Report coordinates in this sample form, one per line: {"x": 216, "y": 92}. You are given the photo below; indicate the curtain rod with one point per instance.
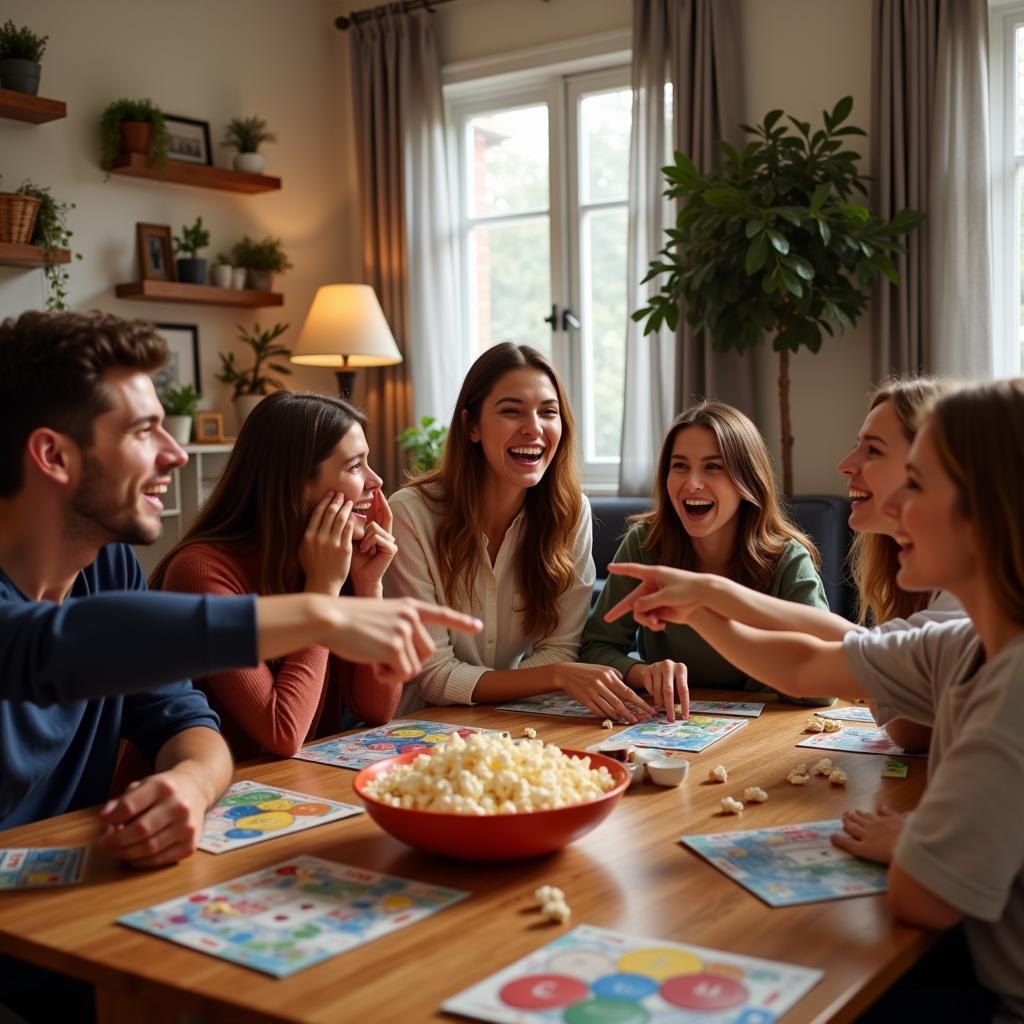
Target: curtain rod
{"x": 344, "y": 23}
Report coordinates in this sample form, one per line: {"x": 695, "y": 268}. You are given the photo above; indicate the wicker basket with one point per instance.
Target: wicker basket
{"x": 17, "y": 216}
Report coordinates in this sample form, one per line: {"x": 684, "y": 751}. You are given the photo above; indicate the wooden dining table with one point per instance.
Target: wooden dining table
{"x": 630, "y": 874}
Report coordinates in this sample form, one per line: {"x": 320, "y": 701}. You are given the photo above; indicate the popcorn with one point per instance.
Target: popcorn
{"x": 548, "y": 894}
{"x": 798, "y": 778}
{"x": 484, "y": 774}
{"x": 557, "y": 910}
{"x": 607, "y": 724}
{"x": 718, "y": 773}
{"x": 730, "y": 806}
{"x": 823, "y": 767}
{"x": 831, "y": 725}
{"x": 529, "y": 732}
{"x": 837, "y": 777}
{"x": 814, "y": 724}
{"x": 754, "y": 795}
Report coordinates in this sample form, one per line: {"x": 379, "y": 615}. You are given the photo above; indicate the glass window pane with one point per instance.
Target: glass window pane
{"x": 604, "y": 145}
{"x": 511, "y": 283}
{"x": 604, "y": 329}
{"x": 508, "y": 159}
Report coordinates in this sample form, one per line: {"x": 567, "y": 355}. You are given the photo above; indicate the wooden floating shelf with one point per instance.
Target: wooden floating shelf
{"x": 29, "y": 256}
{"x": 179, "y": 172}
{"x": 198, "y": 294}
{"x": 20, "y": 106}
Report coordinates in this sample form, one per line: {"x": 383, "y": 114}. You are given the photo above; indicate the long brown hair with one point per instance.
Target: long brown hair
{"x": 979, "y": 433}
{"x": 552, "y": 508}
{"x": 763, "y": 529}
{"x": 259, "y": 501}
{"x": 874, "y": 557}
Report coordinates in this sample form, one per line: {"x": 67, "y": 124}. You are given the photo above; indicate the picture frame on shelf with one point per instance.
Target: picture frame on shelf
{"x": 156, "y": 254}
{"x": 188, "y": 139}
{"x": 209, "y": 428}
{"x": 182, "y": 366}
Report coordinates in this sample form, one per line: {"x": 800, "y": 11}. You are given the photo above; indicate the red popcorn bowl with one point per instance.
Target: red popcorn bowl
{"x": 492, "y": 836}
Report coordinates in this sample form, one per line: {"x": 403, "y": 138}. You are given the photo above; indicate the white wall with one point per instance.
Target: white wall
{"x": 210, "y": 61}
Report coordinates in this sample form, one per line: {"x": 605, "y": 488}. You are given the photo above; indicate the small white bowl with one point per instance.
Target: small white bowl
{"x": 668, "y": 772}
{"x": 637, "y": 772}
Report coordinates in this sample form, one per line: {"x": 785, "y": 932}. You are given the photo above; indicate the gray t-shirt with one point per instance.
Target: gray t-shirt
{"x": 941, "y": 608}
{"x": 965, "y": 840}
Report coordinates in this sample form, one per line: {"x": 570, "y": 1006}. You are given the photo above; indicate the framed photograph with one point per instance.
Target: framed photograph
{"x": 182, "y": 365}
{"x": 188, "y": 140}
{"x": 156, "y": 256}
{"x": 209, "y": 428}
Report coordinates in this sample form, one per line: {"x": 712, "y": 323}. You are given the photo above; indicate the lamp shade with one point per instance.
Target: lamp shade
{"x": 345, "y": 327}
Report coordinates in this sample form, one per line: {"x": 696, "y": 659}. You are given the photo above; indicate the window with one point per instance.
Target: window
{"x": 543, "y": 190}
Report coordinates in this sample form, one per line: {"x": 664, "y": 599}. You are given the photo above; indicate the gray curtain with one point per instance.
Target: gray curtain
{"x": 930, "y": 151}
{"x": 404, "y": 202}
{"x": 695, "y": 46}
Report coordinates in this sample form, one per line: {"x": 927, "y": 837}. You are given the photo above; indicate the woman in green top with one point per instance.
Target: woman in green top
{"x": 716, "y": 510}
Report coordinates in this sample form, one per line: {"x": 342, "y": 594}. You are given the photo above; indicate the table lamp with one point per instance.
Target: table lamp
{"x": 345, "y": 328}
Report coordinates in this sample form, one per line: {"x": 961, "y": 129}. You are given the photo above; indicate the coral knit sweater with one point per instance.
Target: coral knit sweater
{"x": 279, "y": 705}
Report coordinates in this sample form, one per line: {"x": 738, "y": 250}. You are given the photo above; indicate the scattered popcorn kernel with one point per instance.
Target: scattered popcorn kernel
{"x": 795, "y": 778}
{"x": 548, "y": 894}
{"x": 607, "y": 724}
{"x": 814, "y": 724}
{"x": 529, "y": 732}
{"x": 718, "y": 773}
{"x": 754, "y": 795}
{"x": 730, "y": 806}
{"x": 823, "y": 767}
{"x": 557, "y": 910}
{"x": 837, "y": 777}
{"x": 831, "y": 725}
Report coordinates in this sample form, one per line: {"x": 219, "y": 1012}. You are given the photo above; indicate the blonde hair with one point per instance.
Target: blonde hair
{"x": 979, "y": 434}
{"x": 874, "y": 557}
{"x": 552, "y": 508}
{"x": 764, "y": 528}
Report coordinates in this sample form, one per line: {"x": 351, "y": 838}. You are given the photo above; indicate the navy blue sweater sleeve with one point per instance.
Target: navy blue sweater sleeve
{"x": 114, "y": 643}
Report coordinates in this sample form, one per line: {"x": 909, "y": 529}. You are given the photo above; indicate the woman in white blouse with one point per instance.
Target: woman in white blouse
{"x": 501, "y": 528}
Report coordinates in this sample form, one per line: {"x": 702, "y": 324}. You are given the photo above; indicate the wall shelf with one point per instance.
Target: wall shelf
{"x": 21, "y": 106}
{"x": 29, "y": 256}
{"x": 179, "y": 172}
{"x": 198, "y": 294}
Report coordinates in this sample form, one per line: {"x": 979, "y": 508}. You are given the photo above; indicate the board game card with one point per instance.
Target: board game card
{"x": 41, "y": 867}
{"x": 695, "y": 734}
{"x": 251, "y": 812}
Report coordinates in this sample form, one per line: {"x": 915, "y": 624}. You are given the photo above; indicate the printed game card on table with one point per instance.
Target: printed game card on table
{"x": 695, "y": 734}
{"x": 790, "y": 864}
{"x": 250, "y": 812}
{"x": 41, "y": 867}
{"x": 365, "y": 748}
{"x": 854, "y": 713}
{"x": 593, "y": 974}
{"x": 555, "y": 703}
{"x": 292, "y": 915}
{"x": 742, "y": 709}
{"x": 857, "y": 741}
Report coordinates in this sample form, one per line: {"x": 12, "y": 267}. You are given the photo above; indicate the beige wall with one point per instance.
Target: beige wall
{"x": 205, "y": 60}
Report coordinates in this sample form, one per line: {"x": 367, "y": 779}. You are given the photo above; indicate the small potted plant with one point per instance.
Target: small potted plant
{"x": 423, "y": 443}
{"x": 262, "y": 259}
{"x": 251, "y": 385}
{"x": 246, "y": 135}
{"x": 52, "y": 233}
{"x": 192, "y": 267}
{"x": 221, "y": 271}
{"x": 180, "y": 404}
{"x": 133, "y": 126}
{"x": 21, "y": 50}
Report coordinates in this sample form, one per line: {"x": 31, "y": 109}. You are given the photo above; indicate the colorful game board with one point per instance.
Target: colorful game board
{"x": 362, "y": 748}
{"x": 854, "y": 713}
{"x": 695, "y": 734}
{"x": 41, "y": 867}
{"x": 743, "y": 709}
{"x": 790, "y": 864}
{"x": 250, "y": 812}
{"x": 857, "y": 741}
{"x": 595, "y": 976}
{"x": 292, "y": 915}
{"x": 558, "y": 703}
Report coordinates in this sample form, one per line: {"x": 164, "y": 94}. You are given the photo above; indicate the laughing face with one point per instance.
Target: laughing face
{"x": 875, "y": 469}
{"x": 700, "y": 489}
{"x": 126, "y": 471}
{"x": 347, "y": 472}
{"x": 519, "y": 428}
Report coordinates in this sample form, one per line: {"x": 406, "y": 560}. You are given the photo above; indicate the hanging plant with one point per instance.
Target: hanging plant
{"x": 52, "y": 233}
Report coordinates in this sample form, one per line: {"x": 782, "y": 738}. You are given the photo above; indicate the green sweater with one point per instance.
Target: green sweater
{"x": 610, "y": 643}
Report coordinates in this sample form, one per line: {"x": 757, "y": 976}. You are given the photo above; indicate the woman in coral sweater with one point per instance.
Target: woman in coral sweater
{"x": 297, "y": 508}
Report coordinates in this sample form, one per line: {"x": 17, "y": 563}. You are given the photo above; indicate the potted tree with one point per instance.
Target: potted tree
{"x": 252, "y": 384}
{"x": 246, "y": 135}
{"x": 262, "y": 260}
{"x": 221, "y": 271}
{"x": 51, "y": 231}
{"x": 180, "y": 404}
{"x": 193, "y": 238}
{"x": 21, "y": 50}
{"x": 423, "y": 444}
{"x": 774, "y": 239}
{"x": 133, "y": 126}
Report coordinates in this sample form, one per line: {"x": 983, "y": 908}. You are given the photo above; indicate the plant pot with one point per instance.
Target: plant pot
{"x": 244, "y": 404}
{"x": 259, "y": 280}
{"x": 220, "y": 275}
{"x": 251, "y": 163}
{"x": 20, "y": 75}
{"x": 136, "y": 136}
{"x": 192, "y": 271}
{"x": 179, "y": 427}
{"x": 238, "y": 276}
